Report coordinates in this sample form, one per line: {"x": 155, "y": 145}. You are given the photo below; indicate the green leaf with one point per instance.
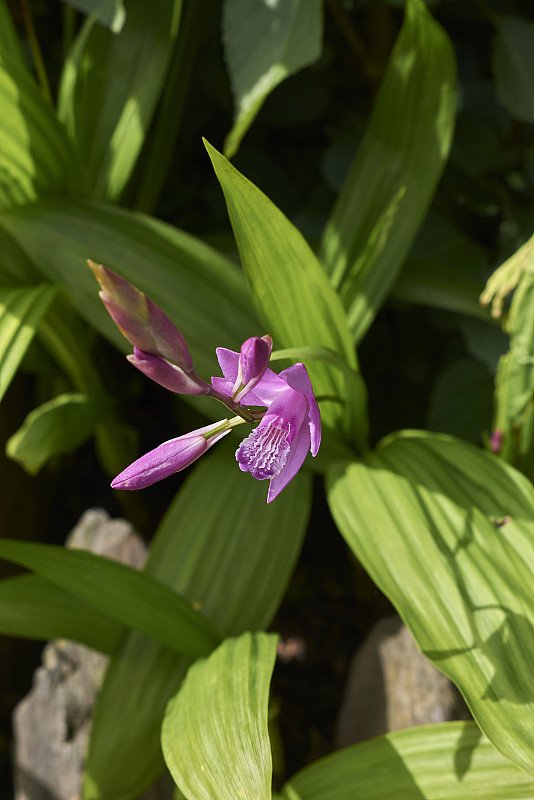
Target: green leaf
{"x": 109, "y": 13}
{"x": 129, "y": 596}
{"x": 221, "y": 546}
{"x": 56, "y": 427}
{"x": 34, "y": 608}
{"x": 286, "y": 282}
{"x": 513, "y": 65}
{"x": 405, "y": 145}
{"x": 181, "y": 274}
{"x": 108, "y": 119}
{"x": 20, "y": 313}
{"x": 214, "y": 735}
{"x": 447, "y": 533}
{"x": 36, "y": 156}
{"x": 278, "y": 40}
{"x": 432, "y": 762}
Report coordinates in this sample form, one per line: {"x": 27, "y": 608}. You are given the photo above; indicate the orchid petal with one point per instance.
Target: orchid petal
{"x": 297, "y": 377}
{"x": 228, "y": 362}
{"x": 314, "y": 417}
{"x": 299, "y": 448}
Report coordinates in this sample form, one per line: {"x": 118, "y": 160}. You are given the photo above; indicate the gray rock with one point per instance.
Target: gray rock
{"x": 392, "y": 685}
{"x": 51, "y": 724}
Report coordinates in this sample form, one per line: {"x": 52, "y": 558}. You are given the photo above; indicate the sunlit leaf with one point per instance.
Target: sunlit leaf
{"x": 34, "y": 608}
{"x": 396, "y": 169}
{"x": 221, "y": 546}
{"x": 447, "y": 533}
{"x": 278, "y": 40}
{"x": 20, "y": 313}
{"x": 109, "y": 119}
{"x": 36, "y": 156}
{"x": 433, "y": 762}
{"x": 287, "y": 284}
{"x": 129, "y": 596}
{"x": 214, "y": 735}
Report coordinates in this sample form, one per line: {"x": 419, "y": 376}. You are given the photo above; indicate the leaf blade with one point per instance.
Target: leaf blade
{"x": 429, "y": 505}
{"x": 406, "y": 143}
{"x": 129, "y": 596}
{"x": 214, "y": 734}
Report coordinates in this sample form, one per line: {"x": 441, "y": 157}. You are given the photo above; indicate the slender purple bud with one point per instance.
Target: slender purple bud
{"x": 253, "y": 362}
{"x": 170, "y": 457}
{"x": 140, "y": 320}
{"x": 167, "y": 375}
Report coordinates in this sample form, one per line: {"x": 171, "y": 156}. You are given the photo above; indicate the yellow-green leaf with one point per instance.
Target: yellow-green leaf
{"x": 214, "y": 735}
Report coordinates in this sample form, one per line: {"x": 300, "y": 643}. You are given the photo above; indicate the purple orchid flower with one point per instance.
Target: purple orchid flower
{"x": 291, "y": 426}
{"x": 288, "y": 428}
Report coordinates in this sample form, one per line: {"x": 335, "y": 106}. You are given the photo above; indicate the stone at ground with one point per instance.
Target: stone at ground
{"x": 392, "y": 685}
{"x": 51, "y": 724}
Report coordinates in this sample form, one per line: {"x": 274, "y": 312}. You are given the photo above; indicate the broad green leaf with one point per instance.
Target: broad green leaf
{"x": 447, "y": 533}
{"x": 125, "y": 594}
{"x": 54, "y": 428}
{"x": 513, "y": 65}
{"x": 405, "y": 145}
{"x": 34, "y": 608}
{"x": 20, "y": 313}
{"x": 214, "y": 734}
{"x": 286, "y": 282}
{"x": 36, "y": 156}
{"x": 221, "y": 546}
{"x": 109, "y": 13}
{"x": 450, "y": 761}
{"x": 108, "y": 118}
{"x": 185, "y": 277}
{"x": 278, "y": 40}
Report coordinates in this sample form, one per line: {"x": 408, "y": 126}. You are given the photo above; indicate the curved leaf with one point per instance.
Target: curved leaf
{"x": 396, "y": 170}
{"x": 278, "y": 40}
{"x": 34, "y": 608}
{"x": 129, "y": 596}
{"x": 214, "y": 735}
{"x": 55, "y": 427}
{"x": 447, "y": 532}
{"x": 431, "y": 762}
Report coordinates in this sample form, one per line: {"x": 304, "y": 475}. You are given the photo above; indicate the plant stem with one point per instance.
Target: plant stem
{"x": 36, "y": 51}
